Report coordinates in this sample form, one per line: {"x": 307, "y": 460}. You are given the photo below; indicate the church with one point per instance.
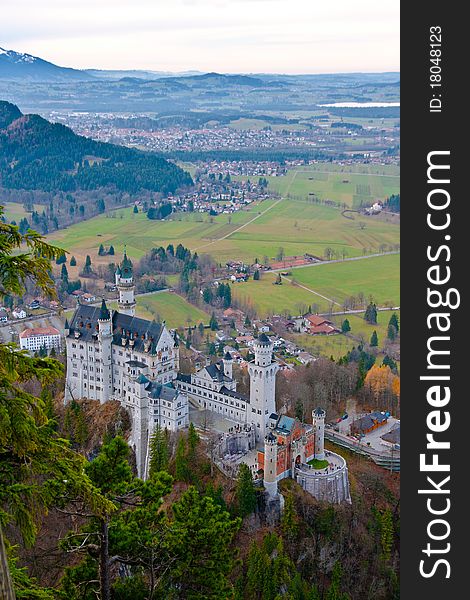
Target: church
{"x": 114, "y": 355}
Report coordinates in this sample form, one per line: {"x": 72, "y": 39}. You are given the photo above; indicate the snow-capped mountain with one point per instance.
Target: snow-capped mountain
{"x": 19, "y": 65}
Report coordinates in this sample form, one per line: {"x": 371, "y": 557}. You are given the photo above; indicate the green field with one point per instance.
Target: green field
{"x": 376, "y": 277}
{"x": 297, "y": 226}
{"x": 14, "y": 211}
{"x": 354, "y": 186}
{"x": 339, "y": 345}
{"x": 169, "y": 307}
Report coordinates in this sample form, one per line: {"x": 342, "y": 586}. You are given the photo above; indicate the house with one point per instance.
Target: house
{"x": 238, "y": 277}
{"x": 222, "y": 337}
{"x": 86, "y": 297}
{"x": 318, "y": 325}
{"x": 34, "y": 304}
{"x": 369, "y": 422}
{"x": 261, "y": 327}
{"x": 77, "y": 293}
{"x": 19, "y": 313}
{"x": 392, "y": 438}
{"x": 245, "y": 340}
{"x": 3, "y": 315}
{"x": 305, "y": 357}
{"x": 39, "y": 337}
{"x": 234, "y": 313}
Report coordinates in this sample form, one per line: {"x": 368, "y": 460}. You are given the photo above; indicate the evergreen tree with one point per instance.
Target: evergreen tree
{"x": 193, "y": 441}
{"x": 201, "y": 328}
{"x": 199, "y": 545}
{"x": 256, "y": 275}
{"x": 247, "y": 321}
{"x": 289, "y": 520}
{"x": 62, "y": 259}
{"x": 227, "y": 296}
{"x": 181, "y": 461}
{"x": 213, "y": 324}
{"x": 136, "y": 210}
{"x": 73, "y": 261}
{"x": 245, "y": 491}
{"x": 100, "y": 251}
{"x": 389, "y": 362}
{"x": 345, "y": 326}
{"x": 64, "y": 274}
{"x": 394, "y": 322}
{"x": 27, "y": 437}
{"x": 374, "y": 340}
{"x": 371, "y": 314}
{"x": 159, "y": 451}
{"x": 111, "y": 250}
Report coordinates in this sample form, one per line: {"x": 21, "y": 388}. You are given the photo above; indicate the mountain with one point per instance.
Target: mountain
{"x": 38, "y": 155}
{"x": 138, "y": 74}
{"x": 18, "y": 65}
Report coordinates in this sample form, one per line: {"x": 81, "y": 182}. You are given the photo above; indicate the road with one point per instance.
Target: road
{"x": 248, "y": 222}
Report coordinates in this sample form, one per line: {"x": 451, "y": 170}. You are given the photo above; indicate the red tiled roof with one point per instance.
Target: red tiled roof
{"x": 39, "y": 331}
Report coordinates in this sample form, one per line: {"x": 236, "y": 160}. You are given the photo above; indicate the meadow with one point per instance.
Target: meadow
{"x": 352, "y": 185}
{"x": 339, "y": 345}
{"x": 175, "y": 310}
{"x": 377, "y": 278}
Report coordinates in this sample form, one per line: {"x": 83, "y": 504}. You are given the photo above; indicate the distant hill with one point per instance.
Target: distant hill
{"x": 18, "y": 65}
{"x": 38, "y": 155}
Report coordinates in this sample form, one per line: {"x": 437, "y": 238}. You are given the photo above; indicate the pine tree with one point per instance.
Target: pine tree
{"x": 374, "y": 340}
{"x": 193, "y": 441}
{"x": 245, "y": 491}
{"x": 111, "y": 250}
{"x": 136, "y": 210}
{"x": 100, "y": 250}
{"x": 159, "y": 451}
{"x": 256, "y": 275}
{"x": 181, "y": 461}
{"x": 371, "y": 314}
{"x": 289, "y": 520}
{"x": 213, "y": 324}
{"x": 391, "y": 332}
{"x": 64, "y": 275}
{"x": 345, "y": 326}
{"x": 73, "y": 261}
{"x": 394, "y": 322}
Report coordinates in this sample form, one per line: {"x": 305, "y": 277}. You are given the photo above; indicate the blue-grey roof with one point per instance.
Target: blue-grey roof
{"x": 85, "y": 320}
{"x": 263, "y": 340}
{"x": 285, "y": 424}
{"x": 142, "y": 379}
{"x": 165, "y": 392}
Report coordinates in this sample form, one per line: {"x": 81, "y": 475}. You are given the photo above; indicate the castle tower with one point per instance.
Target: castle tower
{"x": 105, "y": 338}
{"x": 228, "y": 362}
{"x": 262, "y": 371}
{"x": 270, "y": 464}
{"x": 140, "y": 424}
{"x": 125, "y": 284}
{"x": 318, "y": 419}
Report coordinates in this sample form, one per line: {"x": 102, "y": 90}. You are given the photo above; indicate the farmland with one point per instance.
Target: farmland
{"x": 376, "y": 277}
{"x": 296, "y": 225}
{"x": 356, "y": 186}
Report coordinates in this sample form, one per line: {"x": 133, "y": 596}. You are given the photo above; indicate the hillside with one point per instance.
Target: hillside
{"x": 38, "y": 155}
{"x": 19, "y": 65}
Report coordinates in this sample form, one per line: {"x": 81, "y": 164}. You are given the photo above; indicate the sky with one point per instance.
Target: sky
{"x": 230, "y": 36}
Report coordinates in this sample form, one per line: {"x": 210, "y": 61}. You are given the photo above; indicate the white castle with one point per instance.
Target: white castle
{"x": 114, "y": 355}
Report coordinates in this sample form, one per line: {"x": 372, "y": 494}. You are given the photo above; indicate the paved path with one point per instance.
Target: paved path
{"x": 248, "y": 222}
{"x": 336, "y": 260}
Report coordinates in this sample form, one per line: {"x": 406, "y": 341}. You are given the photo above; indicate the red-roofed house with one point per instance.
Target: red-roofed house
{"x": 34, "y": 339}
{"x": 317, "y": 325}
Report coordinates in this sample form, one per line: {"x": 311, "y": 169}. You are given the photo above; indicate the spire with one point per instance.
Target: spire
{"x": 104, "y": 312}
{"x": 126, "y": 266}
{"x": 66, "y": 326}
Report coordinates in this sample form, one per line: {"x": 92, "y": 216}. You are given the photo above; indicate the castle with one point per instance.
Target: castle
{"x": 296, "y": 450}
{"x": 114, "y": 355}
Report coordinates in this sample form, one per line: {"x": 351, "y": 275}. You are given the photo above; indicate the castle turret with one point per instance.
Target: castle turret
{"x": 318, "y": 419}
{"x": 105, "y": 337}
{"x": 270, "y": 464}
{"x": 228, "y": 363}
{"x": 262, "y": 372}
{"x": 125, "y": 284}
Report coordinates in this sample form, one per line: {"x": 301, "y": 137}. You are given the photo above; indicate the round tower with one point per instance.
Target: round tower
{"x": 270, "y": 464}
{"x": 262, "y": 371}
{"x": 105, "y": 338}
{"x": 318, "y": 420}
{"x": 228, "y": 364}
{"x": 125, "y": 284}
